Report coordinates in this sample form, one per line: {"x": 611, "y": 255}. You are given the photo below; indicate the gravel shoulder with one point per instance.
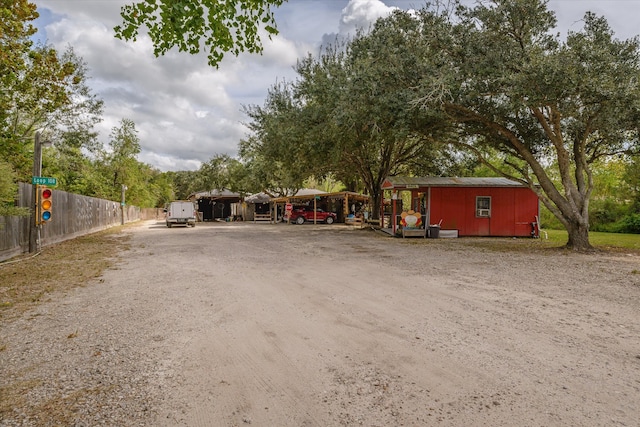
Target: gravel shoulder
{"x": 232, "y": 324}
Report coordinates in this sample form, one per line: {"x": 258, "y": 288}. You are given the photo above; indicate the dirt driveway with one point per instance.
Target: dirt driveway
{"x": 230, "y": 324}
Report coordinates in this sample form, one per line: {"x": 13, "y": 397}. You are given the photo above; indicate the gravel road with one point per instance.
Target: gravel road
{"x": 230, "y": 324}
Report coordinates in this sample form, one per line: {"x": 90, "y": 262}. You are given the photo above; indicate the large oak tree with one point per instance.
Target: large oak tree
{"x": 349, "y": 113}
{"x": 551, "y": 107}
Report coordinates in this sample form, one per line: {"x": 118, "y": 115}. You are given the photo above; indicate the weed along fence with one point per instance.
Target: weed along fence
{"x": 72, "y": 215}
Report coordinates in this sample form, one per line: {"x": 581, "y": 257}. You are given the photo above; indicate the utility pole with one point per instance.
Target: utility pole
{"x": 122, "y": 204}
{"x": 34, "y": 230}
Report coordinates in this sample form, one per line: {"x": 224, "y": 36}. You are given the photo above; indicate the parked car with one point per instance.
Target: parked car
{"x": 299, "y": 216}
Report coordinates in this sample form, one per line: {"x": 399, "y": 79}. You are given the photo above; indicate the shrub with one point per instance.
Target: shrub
{"x": 605, "y": 214}
{"x": 630, "y": 224}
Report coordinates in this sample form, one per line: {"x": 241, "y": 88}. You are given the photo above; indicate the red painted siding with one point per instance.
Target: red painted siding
{"x": 512, "y": 210}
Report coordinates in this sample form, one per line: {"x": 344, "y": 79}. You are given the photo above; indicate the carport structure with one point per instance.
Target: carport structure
{"x": 217, "y": 204}
{"x": 342, "y": 203}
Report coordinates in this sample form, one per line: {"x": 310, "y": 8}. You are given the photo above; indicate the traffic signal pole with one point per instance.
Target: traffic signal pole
{"x": 34, "y": 231}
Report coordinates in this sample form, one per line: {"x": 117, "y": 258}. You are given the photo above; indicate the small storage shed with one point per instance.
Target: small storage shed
{"x": 257, "y": 207}
{"x": 470, "y": 206}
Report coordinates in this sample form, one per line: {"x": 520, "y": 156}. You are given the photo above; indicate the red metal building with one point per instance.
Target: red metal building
{"x": 472, "y": 206}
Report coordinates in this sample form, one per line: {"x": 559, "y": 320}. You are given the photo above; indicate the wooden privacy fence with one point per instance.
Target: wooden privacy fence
{"x": 73, "y": 215}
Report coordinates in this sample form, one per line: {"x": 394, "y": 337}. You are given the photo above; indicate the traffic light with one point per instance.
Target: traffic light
{"x": 44, "y": 204}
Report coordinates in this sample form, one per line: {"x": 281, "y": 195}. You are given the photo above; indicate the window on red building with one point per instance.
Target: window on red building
{"x": 483, "y": 207}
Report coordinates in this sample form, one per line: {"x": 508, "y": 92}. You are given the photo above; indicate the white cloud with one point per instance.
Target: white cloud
{"x": 361, "y": 14}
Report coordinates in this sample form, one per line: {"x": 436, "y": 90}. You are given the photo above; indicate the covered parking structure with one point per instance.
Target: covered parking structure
{"x": 217, "y": 204}
{"x": 343, "y": 203}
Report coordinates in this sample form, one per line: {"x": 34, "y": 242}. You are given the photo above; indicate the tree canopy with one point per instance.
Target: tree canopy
{"x": 217, "y": 26}
{"x": 349, "y": 114}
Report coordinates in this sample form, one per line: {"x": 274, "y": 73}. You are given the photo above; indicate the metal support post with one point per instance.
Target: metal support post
{"x": 34, "y": 230}
{"x": 122, "y": 204}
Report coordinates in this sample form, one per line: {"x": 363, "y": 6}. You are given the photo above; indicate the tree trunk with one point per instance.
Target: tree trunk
{"x": 376, "y": 202}
{"x": 578, "y": 237}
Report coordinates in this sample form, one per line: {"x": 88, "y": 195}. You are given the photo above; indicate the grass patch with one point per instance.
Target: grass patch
{"x": 55, "y": 410}
{"x": 30, "y": 280}
{"x": 556, "y": 241}
{"x": 14, "y": 394}
{"x": 601, "y": 240}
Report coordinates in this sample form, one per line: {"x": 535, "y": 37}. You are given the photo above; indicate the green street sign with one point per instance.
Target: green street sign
{"x": 43, "y": 180}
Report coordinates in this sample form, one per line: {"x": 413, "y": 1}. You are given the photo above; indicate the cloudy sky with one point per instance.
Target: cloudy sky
{"x": 187, "y": 112}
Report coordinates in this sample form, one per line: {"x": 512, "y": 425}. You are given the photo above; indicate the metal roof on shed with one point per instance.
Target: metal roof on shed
{"x": 258, "y": 198}
{"x": 441, "y": 181}
{"x": 223, "y": 194}
{"x": 309, "y": 196}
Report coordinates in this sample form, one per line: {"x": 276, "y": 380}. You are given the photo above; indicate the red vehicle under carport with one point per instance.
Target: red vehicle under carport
{"x": 307, "y": 214}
